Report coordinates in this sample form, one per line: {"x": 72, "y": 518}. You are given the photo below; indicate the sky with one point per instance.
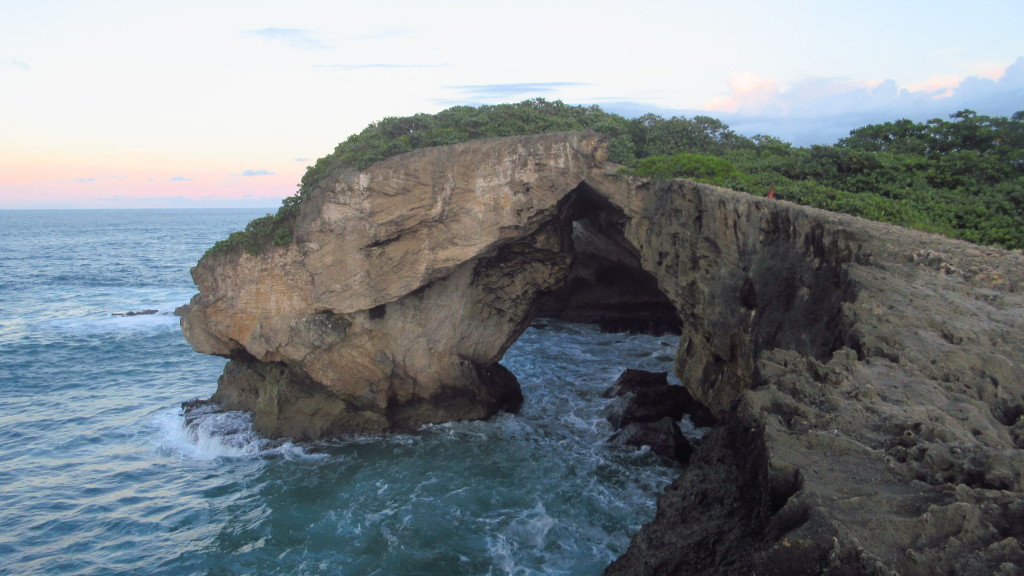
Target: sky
{"x": 155, "y": 104}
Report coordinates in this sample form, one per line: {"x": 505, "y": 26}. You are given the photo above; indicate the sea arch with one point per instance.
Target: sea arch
{"x": 406, "y": 283}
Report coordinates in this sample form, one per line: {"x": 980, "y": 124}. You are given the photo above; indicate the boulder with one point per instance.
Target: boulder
{"x": 135, "y": 313}
{"x": 642, "y": 396}
{"x": 662, "y": 436}
{"x": 646, "y": 405}
{"x": 632, "y": 380}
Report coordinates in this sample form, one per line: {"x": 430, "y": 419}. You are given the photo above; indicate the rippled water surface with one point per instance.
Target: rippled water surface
{"x": 99, "y": 475}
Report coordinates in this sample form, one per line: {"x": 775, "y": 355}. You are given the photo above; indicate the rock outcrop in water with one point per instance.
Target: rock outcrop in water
{"x": 869, "y": 379}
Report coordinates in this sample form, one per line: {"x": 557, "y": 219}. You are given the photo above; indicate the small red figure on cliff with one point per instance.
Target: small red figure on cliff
{"x": 771, "y": 191}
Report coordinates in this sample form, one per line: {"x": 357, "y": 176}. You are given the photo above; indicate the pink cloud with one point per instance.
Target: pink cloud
{"x": 753, "y": 95}
{"x": 748, "y": 92}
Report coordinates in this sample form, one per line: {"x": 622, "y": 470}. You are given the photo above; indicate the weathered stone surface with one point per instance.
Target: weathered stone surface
{"x": 632, "y": 379}
{"x": 662, "y": 436}
{"x": 404, "y": 287}
{"x": 870, "y": 379}
{"x": 646, "y": 404}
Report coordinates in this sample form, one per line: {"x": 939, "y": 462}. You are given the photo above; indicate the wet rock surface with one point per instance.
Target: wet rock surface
{"x": 662, "y": 436}
{"x": 645, "y": 411}
{"x": 868, "y": 380}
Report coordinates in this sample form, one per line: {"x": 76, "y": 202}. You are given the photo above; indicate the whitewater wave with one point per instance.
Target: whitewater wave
{"x": 209, "y": 433}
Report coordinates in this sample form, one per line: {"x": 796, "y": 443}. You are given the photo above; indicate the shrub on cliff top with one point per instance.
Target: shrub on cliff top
{"x": 270, "y": 230}
{"x": 963, "y": 177}
{"x": 630, "y": 139}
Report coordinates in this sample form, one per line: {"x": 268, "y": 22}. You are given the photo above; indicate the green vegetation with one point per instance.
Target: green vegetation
{"x": 270, "y": 230}
{"x": 963, "y": 177}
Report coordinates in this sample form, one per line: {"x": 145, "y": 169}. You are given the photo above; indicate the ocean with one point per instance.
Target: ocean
{"x": 99, "y": 474}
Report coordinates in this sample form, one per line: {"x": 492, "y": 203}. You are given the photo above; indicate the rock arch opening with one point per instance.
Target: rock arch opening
{"x": 406, "y": 285}
{"x": 607, "y": 285}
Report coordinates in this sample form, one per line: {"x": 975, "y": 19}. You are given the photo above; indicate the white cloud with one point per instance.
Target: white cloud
{"x": 180, "y": 179}
{"x": 491, "y": 93}
{"x": 19, "y": 64}
{"x": 822, "y": 110}
{"x": 257, "y": 173}
{"x": 291, "y": 37}
{"x": 376, "y": 66}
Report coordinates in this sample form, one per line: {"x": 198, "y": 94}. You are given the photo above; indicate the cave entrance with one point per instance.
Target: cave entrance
{"x": 607, "y": 285}
{"x": 609, "y": 355}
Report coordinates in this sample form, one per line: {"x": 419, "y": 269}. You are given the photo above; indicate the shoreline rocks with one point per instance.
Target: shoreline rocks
{"x": 645, "y": 411}
{"x": 135, "y": 313}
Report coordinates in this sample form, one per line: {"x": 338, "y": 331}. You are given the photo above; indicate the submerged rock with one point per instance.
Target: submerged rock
{"x": 135, "y": 313}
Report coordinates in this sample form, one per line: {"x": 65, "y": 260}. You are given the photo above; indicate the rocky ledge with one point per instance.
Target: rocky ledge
{"x": 868, "y": 380}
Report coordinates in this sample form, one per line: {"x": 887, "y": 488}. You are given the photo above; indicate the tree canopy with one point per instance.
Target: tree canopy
{"x": 962, "y": 176}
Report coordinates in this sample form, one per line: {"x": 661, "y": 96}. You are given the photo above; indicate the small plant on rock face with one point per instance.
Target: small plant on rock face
{"x": 270, "y": 230}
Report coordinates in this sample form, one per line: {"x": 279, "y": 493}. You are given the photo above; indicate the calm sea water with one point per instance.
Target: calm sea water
{"x": 98, "y": 474}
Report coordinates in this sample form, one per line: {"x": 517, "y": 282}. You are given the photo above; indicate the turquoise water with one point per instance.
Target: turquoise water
{"x": 99, "y": 475}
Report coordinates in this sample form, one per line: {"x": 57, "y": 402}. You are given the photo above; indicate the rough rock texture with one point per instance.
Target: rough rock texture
{"x": 632, "y": 380}
{"x": 641, "y": 396}
{"x": 607, "y": 286}
{"x": 646, "y": 411}
{"x": 869, "y": 379}
{"x": 403, "y": 289}
{"x": 662, "y": 436}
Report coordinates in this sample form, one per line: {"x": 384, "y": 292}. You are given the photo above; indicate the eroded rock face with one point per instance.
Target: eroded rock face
{"x": 869, "y": 379}
{"x": 404, "y": 287}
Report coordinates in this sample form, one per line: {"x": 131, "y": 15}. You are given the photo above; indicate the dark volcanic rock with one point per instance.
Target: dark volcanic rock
{"x": 641, "y": 396}
{"x": 647, "y": 396}
{"x": 645, "y": 411}
{"x": 632, "y": 379}
{"x": 662, "y": 436}
{"x": 135, "y": 313}
{"x": 647, "y": 405}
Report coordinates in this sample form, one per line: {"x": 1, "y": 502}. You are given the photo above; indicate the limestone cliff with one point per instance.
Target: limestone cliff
{"x": 869, "y": 379}
{"x": 403, "y": 288}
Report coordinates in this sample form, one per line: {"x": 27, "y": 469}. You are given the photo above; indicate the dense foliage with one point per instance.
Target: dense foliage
{"x": 963, "y": 177}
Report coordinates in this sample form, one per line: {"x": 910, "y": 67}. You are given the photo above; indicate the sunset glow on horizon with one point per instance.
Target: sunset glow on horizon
{"x": 121, "y": 104}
